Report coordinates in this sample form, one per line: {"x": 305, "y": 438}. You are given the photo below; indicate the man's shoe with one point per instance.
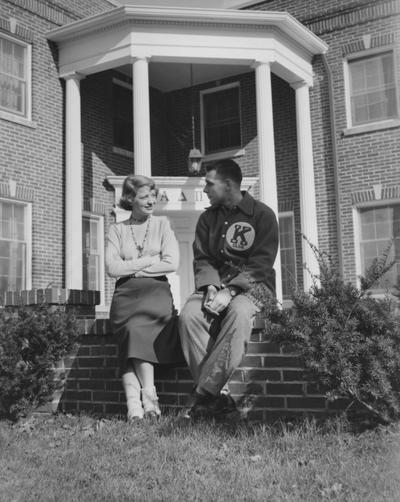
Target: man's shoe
{"x": 197, "y": 405}
{"x": 222, "y": 405}
{"x": 208, "y": 406}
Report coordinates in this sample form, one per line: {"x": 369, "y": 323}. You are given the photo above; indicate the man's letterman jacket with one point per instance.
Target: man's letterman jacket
{"x": 236, "y": 247}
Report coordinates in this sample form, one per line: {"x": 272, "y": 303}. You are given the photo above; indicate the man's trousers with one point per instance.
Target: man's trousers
{"x": 214, "y": 346}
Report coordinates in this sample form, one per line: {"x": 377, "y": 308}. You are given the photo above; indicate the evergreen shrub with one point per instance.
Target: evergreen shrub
{"x": 347, "y": 339}
{"x": 33, "y": 340}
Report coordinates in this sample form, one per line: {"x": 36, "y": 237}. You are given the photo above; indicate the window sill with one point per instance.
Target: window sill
{"x": 121, "y": 151}
{"x": 228, "y": 154}
{"x": 17, "y": 119}
{"x": 376, "y": 126}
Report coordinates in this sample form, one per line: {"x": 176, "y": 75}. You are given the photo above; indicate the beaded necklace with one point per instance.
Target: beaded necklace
{"x": 140, "y": 248}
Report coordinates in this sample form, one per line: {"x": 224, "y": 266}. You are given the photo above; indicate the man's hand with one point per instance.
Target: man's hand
{"x": 217, "y": 301}
{"x": 211, "y": 292}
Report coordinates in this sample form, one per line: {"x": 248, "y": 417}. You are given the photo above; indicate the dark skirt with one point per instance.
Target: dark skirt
{"x": 143, "y": 316}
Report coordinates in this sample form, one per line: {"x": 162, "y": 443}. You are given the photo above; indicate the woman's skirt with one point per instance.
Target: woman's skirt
{"x": 142, "y": 314}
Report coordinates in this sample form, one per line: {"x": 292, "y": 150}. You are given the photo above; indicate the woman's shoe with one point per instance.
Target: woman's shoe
{"x": 135, "y": 414}
{"x": 150, "y": 403}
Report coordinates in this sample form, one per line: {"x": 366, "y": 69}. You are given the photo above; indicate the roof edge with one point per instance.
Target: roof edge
{"x": 283, "y": 20}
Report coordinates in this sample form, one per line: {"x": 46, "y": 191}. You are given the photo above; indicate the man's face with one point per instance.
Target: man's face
{"x": 216, "y": 189}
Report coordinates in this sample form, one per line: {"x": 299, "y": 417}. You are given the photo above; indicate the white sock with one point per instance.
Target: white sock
{"x": 131, "y": 386}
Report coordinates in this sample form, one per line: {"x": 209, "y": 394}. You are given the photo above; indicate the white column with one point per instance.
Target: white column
{"x": 308, "y": 207}
{"x": 266, "y": 151}
{"x": 141, "y": 117}
{"x": 73, "y": 184}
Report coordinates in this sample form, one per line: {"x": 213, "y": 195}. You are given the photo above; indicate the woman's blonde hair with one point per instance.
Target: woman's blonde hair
{"x": 130, "y": 187}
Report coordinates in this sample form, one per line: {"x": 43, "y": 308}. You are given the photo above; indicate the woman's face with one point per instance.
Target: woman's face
{"x": 144, "y": 202}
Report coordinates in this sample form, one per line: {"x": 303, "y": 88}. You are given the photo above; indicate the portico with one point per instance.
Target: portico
{"x": 139, "y": 39}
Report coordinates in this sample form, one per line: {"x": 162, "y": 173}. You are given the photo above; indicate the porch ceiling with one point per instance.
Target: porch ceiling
{"x": 223, "y": 41}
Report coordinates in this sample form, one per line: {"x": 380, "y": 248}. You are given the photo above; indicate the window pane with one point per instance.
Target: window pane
{"x": 91, "y": 254}
{"x": 373, "y": 93}
{"x": 288, "y": 254}
{"x": 378, "y": 227}
{"x": 12, "y": 265}
{"x": 12, "y": 246}
{"x": 13, "y": 79}
{"x": 19, "y": 63}
{"x": 222, "y": 120}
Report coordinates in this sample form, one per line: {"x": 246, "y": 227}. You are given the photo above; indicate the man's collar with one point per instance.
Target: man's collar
{"x": 246, "y": 205}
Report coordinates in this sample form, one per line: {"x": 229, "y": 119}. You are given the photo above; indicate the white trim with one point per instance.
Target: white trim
{"x": 123, "y": 152}
{"x": 29, "y": 82}
{"x": 234, "y": 4}
{"x": 226, "y": 154}
{"x": 24, "y": 118}
{"x": 217, "y": 88}
{"x": 100, "y": 240}
{"x": 377, "y": 203}
{"x": 357, "y": 243}
{"x": 379, "y": 124}
{"x": 372, "y": 126}
{"x": 17, "y": 119}
{"x": 122, "y": 83}
{"x": 282, "y": 20}
{"x": 174, "y": 186}
{"x": 27, "y": 236}
{"x": 217, "y": 36}
{"x": 289, "y": 214}
{"x": 220, "y": 154}
{"x": 347, "y": 100}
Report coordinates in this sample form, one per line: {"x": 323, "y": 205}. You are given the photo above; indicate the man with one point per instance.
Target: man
{"x": 235, "y": 246}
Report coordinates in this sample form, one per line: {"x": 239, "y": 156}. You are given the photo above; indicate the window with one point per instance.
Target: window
{"x": 14, "y": 77}
{"x": 15, "y": 246}
{"x": 122, "y": 115}
{"x": 288, "y": 253}
{"x": 372, "y": 89}
{"x": 93, "y": 255}
{"x": 378, "y": 225}
{"x": 221, "y": 119}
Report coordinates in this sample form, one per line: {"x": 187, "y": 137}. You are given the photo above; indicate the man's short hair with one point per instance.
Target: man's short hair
{"x": 226, "y": 168}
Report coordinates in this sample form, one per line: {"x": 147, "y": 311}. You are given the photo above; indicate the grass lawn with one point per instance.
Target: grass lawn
{"x": 67, "y": 458}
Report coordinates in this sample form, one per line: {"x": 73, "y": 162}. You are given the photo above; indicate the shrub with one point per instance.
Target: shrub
{"x": 348, "y": 340}
{"x": 32, "y": 341}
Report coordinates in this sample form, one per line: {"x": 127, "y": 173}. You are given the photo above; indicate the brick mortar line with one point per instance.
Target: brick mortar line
{"x": 341, "y": 20}
{"x": 54, "y": 13}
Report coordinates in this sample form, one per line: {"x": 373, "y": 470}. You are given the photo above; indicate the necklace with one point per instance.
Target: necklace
{"x": 141, "y": 247}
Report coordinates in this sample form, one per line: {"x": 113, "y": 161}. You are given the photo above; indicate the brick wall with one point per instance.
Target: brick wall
{"x": 269, "y": 384}
{"x": 363, "y": 159}
{"x": 34, "y": 155}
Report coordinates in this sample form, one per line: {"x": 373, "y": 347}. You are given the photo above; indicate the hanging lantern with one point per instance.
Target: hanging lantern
{"x": 194, "y": 161}
{"x": 195, "y": 156}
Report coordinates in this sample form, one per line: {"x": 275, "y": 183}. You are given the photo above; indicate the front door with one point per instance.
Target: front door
{"x": 182, "y": 282}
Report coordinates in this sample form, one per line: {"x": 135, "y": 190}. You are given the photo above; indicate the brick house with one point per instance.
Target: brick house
{"x": 304, "y": 95}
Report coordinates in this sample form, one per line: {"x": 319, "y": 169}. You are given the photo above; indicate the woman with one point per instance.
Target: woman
{"x": 139, "y": 252}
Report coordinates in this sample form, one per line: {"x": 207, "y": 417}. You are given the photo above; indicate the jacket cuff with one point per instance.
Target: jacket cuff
{"x": 207, "y": 280}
